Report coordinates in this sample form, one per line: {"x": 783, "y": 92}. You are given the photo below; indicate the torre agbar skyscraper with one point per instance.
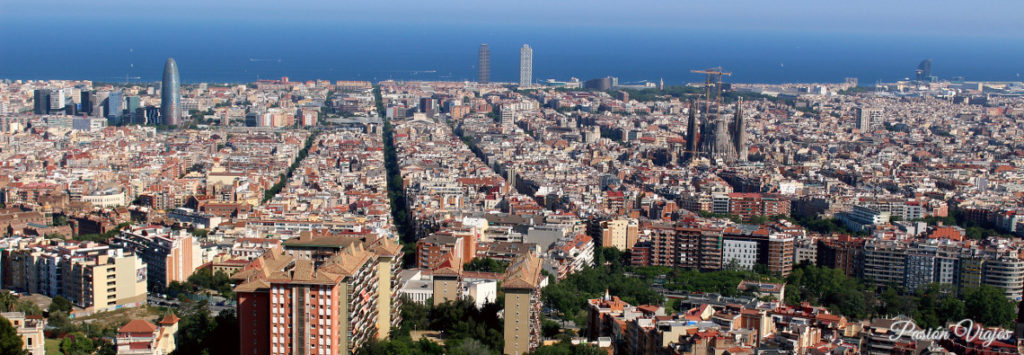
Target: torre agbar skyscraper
{"x": 170, "y": 94}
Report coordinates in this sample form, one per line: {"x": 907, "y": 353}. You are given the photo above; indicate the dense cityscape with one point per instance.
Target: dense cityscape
{"x": 534, "y": 217}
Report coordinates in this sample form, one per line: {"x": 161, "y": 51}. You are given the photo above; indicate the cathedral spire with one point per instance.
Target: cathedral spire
{"x": 739, "y": 134}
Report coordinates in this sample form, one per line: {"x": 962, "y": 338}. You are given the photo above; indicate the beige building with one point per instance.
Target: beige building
{"x": 105, "y": 281}
{"x": 522, "y": 284}
{"x": 30, "y": 329}
{"x": 447, "y": 281}
{"x": 88, "y": 274}
{"x": 389, "y": 264}
{"x": 620, "y": 234}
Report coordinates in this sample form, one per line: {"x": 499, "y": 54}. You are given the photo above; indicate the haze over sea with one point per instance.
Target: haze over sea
{"x": 244, "y": 52}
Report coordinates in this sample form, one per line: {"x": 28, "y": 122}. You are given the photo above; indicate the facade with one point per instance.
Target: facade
{"x": 89, "y": 275}
{"x": 522, "y": 284}
{"x": 115, "y": 106}
{"x": 619, "y": 233}
{"x": 170, "y": 94}
{"x": 868, "y": 117}
{"x": 41, "y": 101}
{"x": 447, "y": 281}
{"x": 739, "y": 253}
{"x": 288, "y": 304}
{"x": 435, "y": 249}
{"x": 526, "y": 65}
{"x": 170, "y": 255}
{"x": 484, "y": 64}
{"x": 715, "y": 248}
{"x": 30, "y": 329}
{"x": 106, "y": 281}
{"x": 748, "y": 205}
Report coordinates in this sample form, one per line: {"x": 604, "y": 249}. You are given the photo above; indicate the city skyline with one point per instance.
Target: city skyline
{"x": 663, "y": 177}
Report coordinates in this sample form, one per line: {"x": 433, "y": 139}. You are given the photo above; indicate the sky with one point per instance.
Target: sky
{"x": 963, "y": 19}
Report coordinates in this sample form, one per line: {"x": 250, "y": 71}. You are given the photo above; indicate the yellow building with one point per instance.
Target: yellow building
{"x": 105, "y": 281}
{"x": 620, "y": 234}
{"x": 30, "y": 329}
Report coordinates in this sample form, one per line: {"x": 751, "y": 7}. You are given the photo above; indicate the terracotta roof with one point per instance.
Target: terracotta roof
{"x": 138, "y": 326}
{"x": 524, "y": 273}
{"x": 451, "y": 266}
{"x": 386, "y": 247}
{"x": 169, "y": 319}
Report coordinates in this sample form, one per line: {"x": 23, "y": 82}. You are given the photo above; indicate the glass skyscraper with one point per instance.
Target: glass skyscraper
{"x": 170, "y": 94}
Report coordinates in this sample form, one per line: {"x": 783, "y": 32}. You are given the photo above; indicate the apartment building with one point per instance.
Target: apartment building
{"x": 522, "y": 284}
{"x": 748, "y": 205}
{"x": 619, "y": 233}
{"x": 288, "y": 304}
{"x": 90, "y": 275}
{"x": 434, "y": 249}
{"x": 170, "y": 255}
{"x": 713, "y": 247}
{"x": 570, "y": 255}
{"x": 106, "y": 281}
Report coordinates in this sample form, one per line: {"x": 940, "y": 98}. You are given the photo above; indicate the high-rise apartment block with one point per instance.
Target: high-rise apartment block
{"x": 619, "y": 233}
{"x": 170, "y": 255}
{"x": 293, "y": 303}
{"x": 522, "y": 284}
{"x": 868, "y": 117}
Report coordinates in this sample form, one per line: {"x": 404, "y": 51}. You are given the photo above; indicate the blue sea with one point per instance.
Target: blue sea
{"x": 248, "y": 51}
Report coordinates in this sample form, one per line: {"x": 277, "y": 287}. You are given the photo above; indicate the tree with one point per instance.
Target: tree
{"x": 486, "y": 265}
{"x": 61, "y": 322}
{"x": 200, "y": 333}
{"x": 564, "y": 348}
{"x": 989, "y": 306}
{"x": 550, "y": 328}
{"x": 830, "y": 288}
{"x": 27, "y": 307}
{"x": 10, "y": 342}
{"x": 201, "y": 233}
{"x": 77, "y": 344}
{"x": 470, "y": 347}
{"x": 8, "y": 300}
{"x": 59, "y": 304}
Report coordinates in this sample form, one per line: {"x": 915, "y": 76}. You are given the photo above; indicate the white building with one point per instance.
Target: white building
{"x": 742, "y": 252}
{"x": 481, "y": 292}
{"x": 526, "y": 66}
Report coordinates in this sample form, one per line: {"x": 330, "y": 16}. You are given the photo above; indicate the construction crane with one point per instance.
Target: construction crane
{"x": 713, "y": 78}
